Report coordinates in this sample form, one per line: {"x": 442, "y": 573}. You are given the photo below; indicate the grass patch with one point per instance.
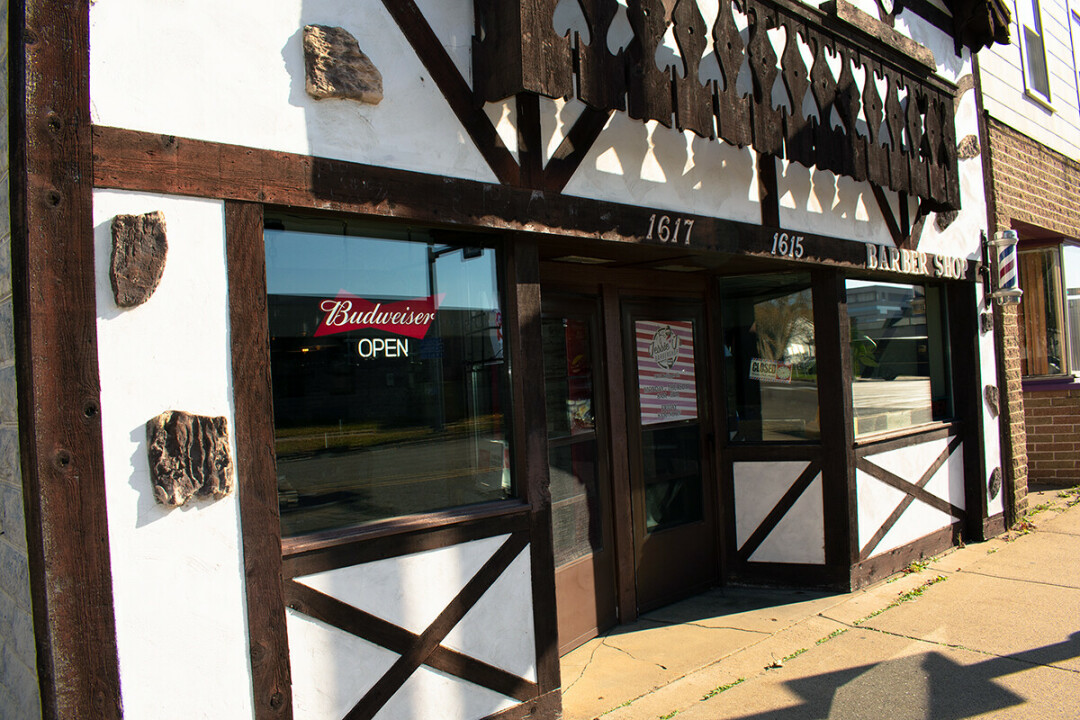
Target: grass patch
{"x": 670, "y": 715}
{"x": 830, "y": 636}
{"x": 721, "y": 688}
{"x": 903, "y": 598}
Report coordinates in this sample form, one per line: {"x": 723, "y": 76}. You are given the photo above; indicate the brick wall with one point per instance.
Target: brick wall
{"x": 1053, "y": 435}
{"x": 1013, "y": 422}
{"x": 19, "y": 694}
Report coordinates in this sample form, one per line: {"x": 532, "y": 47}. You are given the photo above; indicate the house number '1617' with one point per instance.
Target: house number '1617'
{"x": 787, "y": 245}
{"x": 665, "y": 232}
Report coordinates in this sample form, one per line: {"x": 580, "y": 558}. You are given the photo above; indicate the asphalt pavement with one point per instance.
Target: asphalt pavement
{"x": 990, "y": 630}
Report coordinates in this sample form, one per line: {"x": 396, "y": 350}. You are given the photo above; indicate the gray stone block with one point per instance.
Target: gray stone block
{"x": 9, "y": 404}
{"x": 5, "y": 262}
{"x": 7, "y": 332}
{"x": 10, "y": 464}
{"x": 15, "y": 574}
{"x": 12, "y": 515}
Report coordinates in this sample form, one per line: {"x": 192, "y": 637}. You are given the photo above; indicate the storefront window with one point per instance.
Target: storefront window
{"x": 389, "y": 376}
{"x": 1050, "y": 310}
{"x": 770, "y": 362}
{"x": 899, "y": 355}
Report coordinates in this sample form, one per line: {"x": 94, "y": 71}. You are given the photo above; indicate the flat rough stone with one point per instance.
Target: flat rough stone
{"x": 968, "y": 148}
{"x": 138, "y": 257}
{"x": 189, "y": 456}
{"x": 336, "y": 68}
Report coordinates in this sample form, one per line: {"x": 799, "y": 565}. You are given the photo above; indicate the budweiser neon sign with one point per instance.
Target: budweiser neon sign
{"x": 410, "y": 318}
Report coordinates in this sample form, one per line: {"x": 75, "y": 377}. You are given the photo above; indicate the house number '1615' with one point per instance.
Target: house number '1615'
{"x": 787, "y": 245}
{"x": 665, "y": 232}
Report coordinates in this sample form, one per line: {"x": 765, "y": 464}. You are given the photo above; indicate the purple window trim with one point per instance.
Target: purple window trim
{"x": 1061, "y": 382}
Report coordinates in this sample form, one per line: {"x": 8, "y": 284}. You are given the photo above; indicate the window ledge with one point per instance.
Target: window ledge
{"x": 1052, "y": 382}
{"x": 1039, "y": 100}
{"x": 913, "y": 431}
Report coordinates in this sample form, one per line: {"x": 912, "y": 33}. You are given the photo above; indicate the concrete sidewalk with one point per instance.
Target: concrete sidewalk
{"x": 991, "y": 630}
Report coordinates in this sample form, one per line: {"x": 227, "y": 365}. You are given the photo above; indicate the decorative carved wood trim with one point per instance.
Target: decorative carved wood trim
{"x": 56, "y": 360}
{"x": 914, "y": 492}
{"x": 921, "y": 151}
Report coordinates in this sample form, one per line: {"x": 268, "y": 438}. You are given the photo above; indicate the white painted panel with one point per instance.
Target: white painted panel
{"x": 331, "y": 669}
{"x": 429, "y": 693}
{"x": 876, "y": 503}
{"x": 178, "y": 575}
{"x": 918, "y": 521}
{"x": 233, "y": 72}
{"x": 799, "y": 537}
{"x": 948, "y": 482}
{"x": 648, "y": 164}
{"x": 758, "y": 488}
{"x": 499, "y": 628}
{"x": 912, "y": 461}
{"x": 992, "y": 437}
{"x": 409, "y": 591}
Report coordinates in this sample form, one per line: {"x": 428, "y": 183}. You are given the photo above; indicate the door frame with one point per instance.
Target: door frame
{"x": 613, "y": 286}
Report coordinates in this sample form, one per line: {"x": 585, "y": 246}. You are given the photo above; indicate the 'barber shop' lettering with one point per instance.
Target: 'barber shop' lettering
{"x": 912, "y": 262}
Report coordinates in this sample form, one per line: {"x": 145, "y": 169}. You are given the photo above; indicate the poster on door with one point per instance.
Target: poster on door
{"x": 667, "y": 389}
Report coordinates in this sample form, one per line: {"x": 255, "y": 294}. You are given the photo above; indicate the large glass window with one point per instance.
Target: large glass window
{"x": 770, "y": 362}
{"x": 1050, "y": 310}
{"x": 389, "y": 375}
{"x": 899, "y": 355}
{"x": 1033, "y": 49}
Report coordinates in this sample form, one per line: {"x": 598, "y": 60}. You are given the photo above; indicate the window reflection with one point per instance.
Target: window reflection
{"x": 899, "y": 355}
{"x": 388, "y": 376}
{"x": 770, "y": 361}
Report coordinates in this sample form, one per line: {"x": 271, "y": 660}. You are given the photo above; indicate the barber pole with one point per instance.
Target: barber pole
{"x": 1007, "y": 278}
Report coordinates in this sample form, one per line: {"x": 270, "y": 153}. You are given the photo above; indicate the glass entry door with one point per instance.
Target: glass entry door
{"x": 672, "y": 497}
{"x": 579, "y": 471}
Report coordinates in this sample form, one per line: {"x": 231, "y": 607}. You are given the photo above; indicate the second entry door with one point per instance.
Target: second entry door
{"x": 670, "y": 447}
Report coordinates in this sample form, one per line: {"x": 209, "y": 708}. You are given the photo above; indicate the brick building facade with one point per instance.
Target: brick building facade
{"x": 1034, "y": 192}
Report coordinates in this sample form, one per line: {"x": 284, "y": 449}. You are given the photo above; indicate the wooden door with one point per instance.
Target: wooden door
{"x": 579, "y": 470}
{"x": 672, "y": 486}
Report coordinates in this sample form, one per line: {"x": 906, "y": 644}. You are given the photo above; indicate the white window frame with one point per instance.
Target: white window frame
{"x": 1030, "y": 28}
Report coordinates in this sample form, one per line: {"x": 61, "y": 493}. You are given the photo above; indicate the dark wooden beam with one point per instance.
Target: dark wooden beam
{"x": 132, "y": 160}
{"x": 56, "y": 360}
{"x": 255, "y": 465}
{"x": 568, "y": 157}
{"x": 530, "y": 144}
{"x": 887, "y": 213}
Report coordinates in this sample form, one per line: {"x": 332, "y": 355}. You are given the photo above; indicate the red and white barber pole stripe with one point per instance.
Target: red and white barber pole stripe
{"x": 1006, "y": 278}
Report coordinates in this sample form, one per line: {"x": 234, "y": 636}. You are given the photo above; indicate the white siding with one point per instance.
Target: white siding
{"x": 1003, "y": 84}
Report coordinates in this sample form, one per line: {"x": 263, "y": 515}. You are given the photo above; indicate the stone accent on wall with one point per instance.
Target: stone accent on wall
{"x": 337, "y": 68}
{"x": 968, "y": 148}
{"x": 138, "y": 257}
{"x": 189, "y": 455}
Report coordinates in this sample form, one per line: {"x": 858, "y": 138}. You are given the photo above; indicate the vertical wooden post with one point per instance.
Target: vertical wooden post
{"x": 56, "y": 358}
{"x": 962, "y": 305}
{"x": 832, "y": 335}
{"x": 255, "y": 469}
{"x": 531, "y": 455}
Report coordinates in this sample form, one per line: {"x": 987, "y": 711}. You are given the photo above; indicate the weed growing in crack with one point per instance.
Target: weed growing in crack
{"x": 830, "y": 636}
{"x": 903, "y": 598}
{"x": 721, "y": 688}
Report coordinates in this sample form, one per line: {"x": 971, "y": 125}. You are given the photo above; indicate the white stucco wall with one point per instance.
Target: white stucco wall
{"x": 332, "y": 670}
{"x": 233, "y": 72}
{"x": 991, "y": 423}
{"x": 178, "y": 574}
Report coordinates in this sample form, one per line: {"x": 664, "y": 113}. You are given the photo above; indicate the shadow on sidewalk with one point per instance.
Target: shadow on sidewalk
{"x": 928, "y": 685}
